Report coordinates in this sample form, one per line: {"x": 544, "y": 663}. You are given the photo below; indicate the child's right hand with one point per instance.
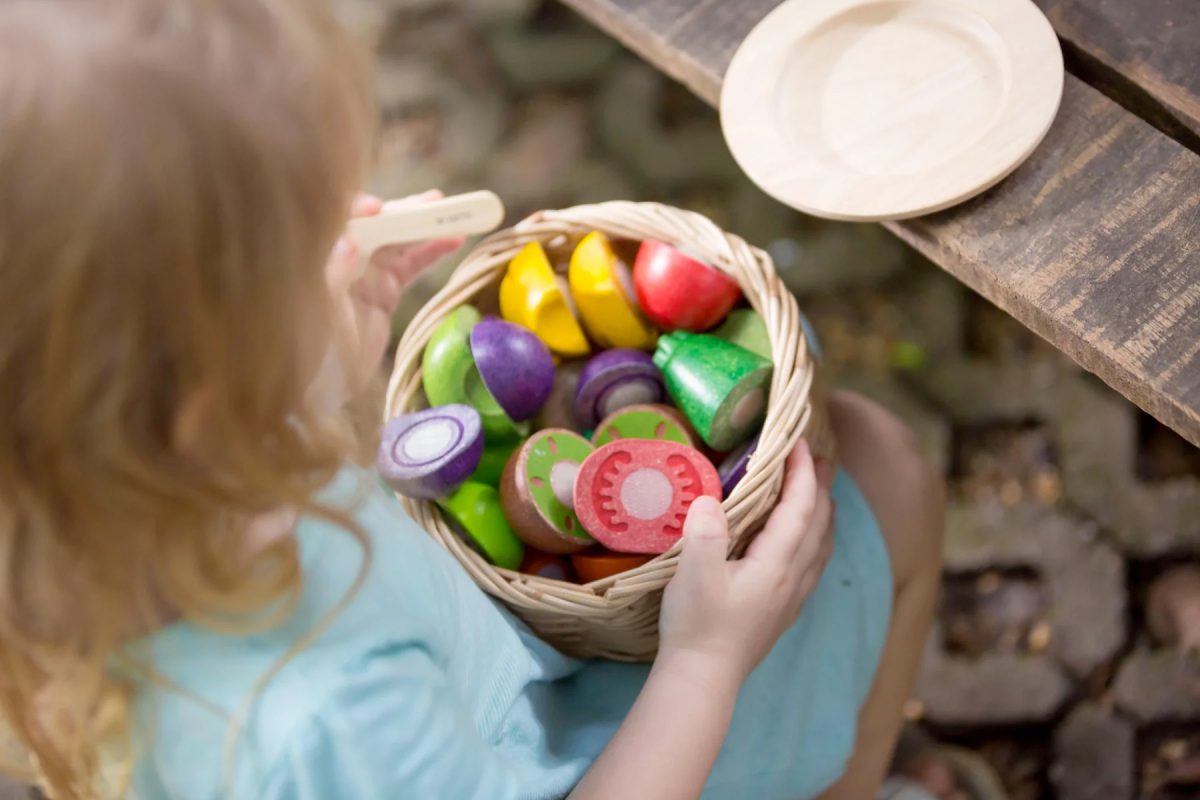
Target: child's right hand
{"x": 721, "y": 618}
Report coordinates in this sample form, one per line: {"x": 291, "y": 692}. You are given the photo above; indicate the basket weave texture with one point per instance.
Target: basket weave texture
{"x": 618, "y": 617}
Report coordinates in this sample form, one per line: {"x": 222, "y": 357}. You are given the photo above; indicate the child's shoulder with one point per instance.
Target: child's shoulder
{"x": 344, "y": 652}
{"x": 286, "y": 711}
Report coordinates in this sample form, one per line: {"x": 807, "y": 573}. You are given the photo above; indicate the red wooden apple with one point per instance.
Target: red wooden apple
{"x": 632, "y": 495}
{"x": 675, "y": 291}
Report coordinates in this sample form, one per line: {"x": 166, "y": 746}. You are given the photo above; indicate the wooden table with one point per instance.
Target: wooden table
{"x": 1094, "y": 242}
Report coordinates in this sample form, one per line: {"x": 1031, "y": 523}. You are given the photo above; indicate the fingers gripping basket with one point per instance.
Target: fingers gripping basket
{"x": 618, "y": 617}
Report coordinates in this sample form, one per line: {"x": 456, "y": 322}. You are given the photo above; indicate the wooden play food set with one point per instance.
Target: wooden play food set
{"x": 610, "y": 419}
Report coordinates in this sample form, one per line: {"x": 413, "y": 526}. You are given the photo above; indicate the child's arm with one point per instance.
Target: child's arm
{"x": 719, "y": 619}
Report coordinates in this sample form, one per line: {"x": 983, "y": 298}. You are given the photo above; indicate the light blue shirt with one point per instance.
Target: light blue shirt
{"x": 423, "y": 687}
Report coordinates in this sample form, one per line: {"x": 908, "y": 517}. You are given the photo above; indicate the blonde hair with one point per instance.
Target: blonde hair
{"x": 173, "y": 174}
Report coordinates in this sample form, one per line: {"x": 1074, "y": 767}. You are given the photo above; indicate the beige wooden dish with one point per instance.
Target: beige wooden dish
{"x": 618, "y": 617}
{"x": 887, "y": 109}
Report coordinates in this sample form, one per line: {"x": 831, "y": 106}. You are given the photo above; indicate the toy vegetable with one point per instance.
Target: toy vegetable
{"x": 428, "y": 453}
{"x": 474, "y": 510}
{"x": 448, "y": 374}
{"x": 537, "y": 491}
{"x": 492, "y": 462}
{"x": 632, "y": 495}
{"x": 675, "y": 291}
{"x": 546, "y": 565}
{"x": 745, "y": 328}
{"x": 596, "y": 563}
{"x": 734, "y": 467}
{"x": 515, "y": 366}
{"x": 720, "y": 387}
{"x": 603, "y": 292}
{"x": 644, "y": 422}
{"x": 559, "y": 409}
{"x": 615, "y": 379}
{"x": 533, "y": 295}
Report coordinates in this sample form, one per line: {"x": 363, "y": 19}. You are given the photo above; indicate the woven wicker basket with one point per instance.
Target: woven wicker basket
{"x": 618, "y": 617}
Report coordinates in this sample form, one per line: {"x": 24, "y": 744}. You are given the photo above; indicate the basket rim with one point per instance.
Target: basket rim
{"x": 790, "y": 406}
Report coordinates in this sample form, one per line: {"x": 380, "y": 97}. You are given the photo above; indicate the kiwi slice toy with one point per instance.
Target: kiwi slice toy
{"x": 537, "y": 491}
{"x": 650, "y": 421}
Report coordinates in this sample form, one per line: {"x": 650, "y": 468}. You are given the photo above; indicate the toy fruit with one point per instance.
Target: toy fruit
{"x": 675, "y": 291}
{"x": 537, "y": 490}
{"x": 474, "y": 511}
{"x": 559, "y": 409}
{"x": 534, "y": 296}
{"x": 491, "y": 463}
{"x": 427, "y": 454}
{"x": 515, "y": 366}
{"x": 448, "y": 375}
{"x": 720, "y": 387}
{"x": 596, "y": 563}
{"x": 733, "y": 468}
{"x": 546, "y": 565}
{"x": 745, "y": 328}
{"x": 632, "y": 495}
{"x": 615, "y": 379}
{"x": 603, "y": 292}
{"x": 644, "y": 422}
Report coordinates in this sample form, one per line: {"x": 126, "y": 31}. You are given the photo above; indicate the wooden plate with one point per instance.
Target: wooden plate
{"x": 886, "y": 109}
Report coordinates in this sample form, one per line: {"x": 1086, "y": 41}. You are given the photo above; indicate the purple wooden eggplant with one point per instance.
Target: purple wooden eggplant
{"x": 733, "y": 468}
{"x": 614, "y": 379}
{"x": 427, "y": 454}
{"x": 515, "y": 365}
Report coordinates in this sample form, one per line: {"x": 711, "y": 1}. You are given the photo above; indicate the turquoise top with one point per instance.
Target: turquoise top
{"x": 423, "y": 687}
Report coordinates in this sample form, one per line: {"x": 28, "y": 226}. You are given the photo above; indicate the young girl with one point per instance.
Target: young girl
{"x": 203, "y": 598}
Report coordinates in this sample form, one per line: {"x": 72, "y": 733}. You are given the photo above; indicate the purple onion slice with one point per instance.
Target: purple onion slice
{"x": 733, "y": 468}
{"x": 427, "y": 454}
{"x": 613, "y": 380}
{"x": 515, "y": 365}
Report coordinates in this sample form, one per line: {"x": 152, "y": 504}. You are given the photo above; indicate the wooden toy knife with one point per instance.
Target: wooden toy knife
{"x": 402, "y": 222}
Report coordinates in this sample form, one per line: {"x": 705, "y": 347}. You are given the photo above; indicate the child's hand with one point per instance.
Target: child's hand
{"x": 367, "y": 301}
{"x": 722, "y": 617}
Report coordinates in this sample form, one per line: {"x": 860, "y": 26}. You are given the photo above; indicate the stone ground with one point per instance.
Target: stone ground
{"x": 1066, "y": 500}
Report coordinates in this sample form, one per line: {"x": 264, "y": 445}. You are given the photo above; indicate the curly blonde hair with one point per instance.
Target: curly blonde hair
{"x": 173, "y": 174}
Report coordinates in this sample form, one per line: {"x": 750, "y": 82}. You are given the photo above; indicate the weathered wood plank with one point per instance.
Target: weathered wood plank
{"x": 1094, "y": 243}
{"x": 1144, "y": 53}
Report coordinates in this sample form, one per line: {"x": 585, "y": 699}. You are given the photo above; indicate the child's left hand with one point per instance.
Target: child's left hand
{"x": 366, "y": 302}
